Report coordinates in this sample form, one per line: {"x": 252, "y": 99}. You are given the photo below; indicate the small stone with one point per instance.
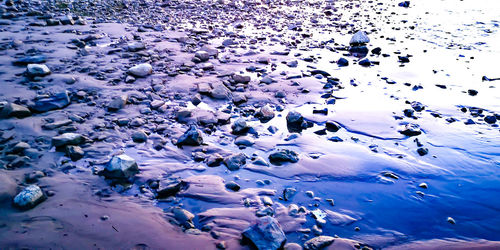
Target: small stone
{"x": 266, "y": 234}
{"x": 57, "y": 101}
{"x": 38, "y": 70}
{"x": 294, "y": 119}
{"x": 359, "y": 38}
{"x": 241, "y": 78}
{"x": 220, "y": 91}
{"x": 120, "y": 167}
{"x": 8, "y": 110}
{"x": 139, "y": 136}
{"x": 233, "y": 186}
{"x": 135, "y": 46}
{"x": 74, "y": 152}
{"x": 422, "y": 151}
{"x": 30, "y": 197}
{"x": 244, "y": 141}
{"x": 141, "y": 70}
{"x": 490, "y": 119}
{"x": 202, "y": 55}
{"x": 410, "y": 130}
{"x": 283, "y": 155}
{"x": 67, "y": 139}
{"x": 192, "y": 137}
{"x": 320, "y": 242}
{"x": 235, "y": 161}
{"x": 184, "y": 217}
{"x": 240, "y": 126}
{"x": 118, "y": 103}
{"x": 423, "y": 185}
{"x": 451, "y": 220}
{"x": 310, "y": 194}
{"x": 288, "y": 193}
{"x": 266, "y": 200}
{"x": 342, "y": 62}
{"x": 265, "y": 113}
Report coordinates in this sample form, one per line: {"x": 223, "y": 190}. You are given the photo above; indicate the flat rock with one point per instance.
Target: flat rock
{"x": 67, "y": 139}
{"x": 57, "y": 101}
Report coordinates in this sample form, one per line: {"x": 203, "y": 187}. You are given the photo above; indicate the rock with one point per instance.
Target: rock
{"x": 57, "y": 101}
{"x": 192, "y": 137}
{"x": 423, "y": 185}
{"x": 169, "y": 187}
{"x": 74, "y": 152}
{"x": 472, "y": 92}
{"x": 404, "y": 4}
{"x": 410, "y": 129}
{"x": 29, "y": 60}
{"x": 202, "y": 55}
{"x": 332, "y": 126}
{"x": 240, "y": 126}
{"x": 244, "y": 141}
{"x": 233, "y": 186}
{"x": 8, "y": 110}
{"x": 342, "y": 62}
{"x": 292, "y": 246}
{"x": 417, "y": 106}
{"x": 422, "y": 151}
{"x": 294, "y": 119}
{"x": 288, "y": 193}
{"x": 204, "y": 88}
{"x": 120, "y": 167}
{"x": 451, "y": 220}
{"x": 135, "y": 46}
{"x": 266, "y": 200}
{"x": 67, "y": 139}
{"x": 265, "y": 113}
{"x": 141, "y": 70}
{"x": 183, "y": 217}
{"x": 37, "y": 70}
{"x": 490, "y": 119}
{"x": 57, "y": 124}
{"x": 139, "y": 136}
{"x": 235, "y": 161}
{"x": 241, "y": 78}
{"x": 30, "y": 197}
{"x": 260, "y": 162}
{"x": 266, "y": 234}
{"x": 283, "y": 155}
{"x": 156, "y": 104}
{"x": 359, "y": 38}
{"x": 320, "y": 242}
{"x": 220, "y": 91}
{"x": 228, "y": 42}
{"x": 117, "y": 103}
{"x": 67, "y": 20}
{"x": 18, "y": 148}
{"x": 365, "y": 62}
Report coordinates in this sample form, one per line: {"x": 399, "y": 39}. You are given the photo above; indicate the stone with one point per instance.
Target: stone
{"x": 8, "y": 110}
{"x": 237, "y": 78}
{"x": 359, "y": 38}
{"x": 233, "y": 186}
{"x": 74, "y": 152}
{"x": 139, "y": 136}
{"x": 266, "y": 234}
{"x": 192, "y": 137}
{"x": 120, "y": 167}
{"x": 342, "y": 62}
{"x": 332, "y": 126}
{"x": 244, "y": 141}
{"x": 169, "y": 187}
{"x": 30, "y": 197}
{"x": 29, "y": 60}
{"x": 283, "y": 155}
{"x": 57, "y": 101}
{"x": 117, "y": 103}
{"x": 204, "y": 88}
{"x": 240, "y": 126}
{"x": 265, "y": 113}
{"x": 294, "y": 119}
{"x": 141, "y": 70}
{"x": 67, "y": 20}
{"x": 410, "y": 129}
{"x": 220, "y": 91}
{"x": 37, "y": 70}
{"x": 490, "y": 119}
{"x": 288, "y": 193}
{"x": 67, "y": 139}
{"x": 135, "y": 46}
{"x": 235, "y": 161}
{"x": 183, "y": 217}
{"x": 202, "y": 55}
{"x": 320, "y": 242}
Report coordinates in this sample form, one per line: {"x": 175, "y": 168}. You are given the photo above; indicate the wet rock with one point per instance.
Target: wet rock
{"x": 220, "y": 91}
{"x": 410, "y": 130}
{"x": 57, "y": 101}
{"x": 8, "y": 110}
{"x": 120, "y": 167}
{"x": 233, "y": 186}
{"x": 202, "y": 55}
{"x": 244, "y": 141}
{"x": 423, "y": 185}
{"x": 365, "y": 62}
{"x": 67, "y": 20}
{"x": 29, "y": 60}
{"x": 266, "y": 200}
{"x": 169, "y": 187}
{"x": 183, "y": 217}
{"x": 192, "y": 137}
{"x": 117, "y": 103}
{"x": 266, "y": 234}
{"x": 237, "y": 78}
{"x": 74, "y": 152}
{"x": 490, "y": 119}
{"x": 417, "y": 106}
{"x": 332, "y": 126}
{"x": 320, "y": 242}
{"x": 141, "y": 70}
{"x": 288, "y": 193}
{"x": 18, "y": 148}
{"x": 240, "y": 126}
{"x": 260, "y": 162}
{"x": 235, "y": 161}
{"x": 359, "y": 38}
{"x": 139, "y": 136}
{"x": 294, "y": 119}
{"x": 451, "y": 220}
{"x": 422, "y": 151}
{"x": 135, "y": 46}
{"x": 342, "y": 62}
{"x": 37, "y": 70}
{"x": 239, "y": 98}
{"x": 67, "y": 139}
{"x": 292, "y": 246}
{"x": 282, "y": 156}
{"x": 30, "y": 197}
{"x": 265, "y": 113}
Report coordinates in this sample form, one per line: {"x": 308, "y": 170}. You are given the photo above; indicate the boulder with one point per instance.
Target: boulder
{"x": 283, "y": 155}
{"x": 235, "y": 161}
{"x": 266, "y": 234}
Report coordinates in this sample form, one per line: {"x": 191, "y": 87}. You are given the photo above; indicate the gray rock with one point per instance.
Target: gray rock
{"x": 30, "y": 197}
{"x": 241, "y": 78}
{"x": 67, "y": 20}
{"x": 192, "y": 137}
{"x": 283, "y": 155}
{"x": 294, "y": 118}
{"x": 235, "y": 161}
{"x": 233, "y": 186}
{"x": 169, "y": 187}
{"x": 202, "y": 55}
{"x": 266, "y": 234}
{"x": 30, "y": 60}
{"x": 135, "y": 46}
{"x": 319, "y": 242}
{"x": 57, "y": 101}
{"x": 359, "y": 38}
{"x": 139, "y": 136}
{"x": 184, "y": 217}
{"x": 410, "y": 129}
{"x": 265, "y": 113}
{"x": 288, "y": 193}
{"x": 37, "y": 70}
{"x": 220, "y": 91}
{"x": 67, "y": 139}
{"x": 244, "y": 141}
{"x": 240, "y": 126}
{"x": 141, "y": 70}
{"x": 74, "y": 152}
{"x": 120, "y": 167}
{"x": 117, "y": 103}
{"x": 8, "y": 110}
{"x": 204, "y": 88}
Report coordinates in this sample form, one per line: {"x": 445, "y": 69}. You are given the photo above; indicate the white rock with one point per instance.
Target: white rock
{"x": 29, "y": 197}
{"x": 141, "y": 70}
{"x": 359, "y": 38}
{"x": 38, "y": 70}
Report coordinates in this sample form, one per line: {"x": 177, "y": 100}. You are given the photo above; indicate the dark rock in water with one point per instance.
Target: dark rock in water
{"x": 417, "y": 106}
{"x": 74, "y": 152}
{"x": 266, "y": 234}
{"x": 342, "y": 62}
{"x": 294, "y": 119}
{"x": 235, "y": 161}
{"x": 422, "y": 151}
{"x": 472, "y": 92}
{"x": 405, "y": 4}
{"x": 408, "y": 112}
{"x": 283, "y": 155}
{"x": 469, "y": 122}
{"x": 335, "y": 139}
{"x": 410, "y": 130}
{"x": 169, "y": 187}
{"x": 192, "y": 137}
{"x": 240, "y": 126}
{"x": 67, "y": 139}
{"x": 233, "y": 186}
{"x": 30, "y": 197}
{"x": 183, "y": 217}
{"x": 8, "y": 110}
{"x": 120, "y": 167}
{"x": 320, "y": 242}
{"x": 359, "y": 38}
{"x": 358, "y": 51}
{"x": 404, "y": 59}
{"x": 376, "y": 51}
{"x": 320, "y": 111}
{"x": 490, "y": 119}
{"x": 332, "y": 126}
{"x": 29, "y": 60}
{"x": 37, "y": 70}
{"x": 57, "y": 101}
{"x": 365, "y": 62}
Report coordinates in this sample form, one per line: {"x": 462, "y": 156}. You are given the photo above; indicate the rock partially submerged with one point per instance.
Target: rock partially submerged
{"x": 57, "y": 101}
{"x": 120, "y": 167}
{"x": 359, "y": 38}
{"x": 30, "y": 197}
{"x": 192, "y": 137}
{"x": 282, "y": 156}
{"x": 235, "y": 162}
{"x": 266, "y": 234}
{"x": 8, "y": 110}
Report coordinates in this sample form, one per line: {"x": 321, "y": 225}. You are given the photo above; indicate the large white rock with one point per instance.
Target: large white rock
{"x": 359, "y": 38}
{"x": 38, "y": 70}
{"x": 141, "y": 70}
{"x": 29, "y": 197}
